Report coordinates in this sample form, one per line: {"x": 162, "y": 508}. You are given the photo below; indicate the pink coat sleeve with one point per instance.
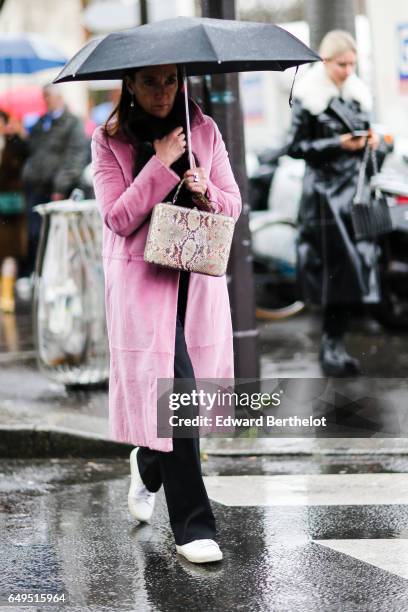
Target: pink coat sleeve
{"x": 124, "y": 209}
{"x": 222, "y": 189}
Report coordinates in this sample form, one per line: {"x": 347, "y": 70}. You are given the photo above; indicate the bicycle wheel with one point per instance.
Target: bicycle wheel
{"x": 274, "y": 264}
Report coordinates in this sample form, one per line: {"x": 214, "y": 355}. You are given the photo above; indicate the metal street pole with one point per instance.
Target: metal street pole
{"x": 226, "y": 111}
{"x": 144, "y": 18}
{"x": 325, "y": 15}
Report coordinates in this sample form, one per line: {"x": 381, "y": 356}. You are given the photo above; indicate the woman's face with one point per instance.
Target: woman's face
{"x": 341, "y": 66}
{"x": 155, "y": 89}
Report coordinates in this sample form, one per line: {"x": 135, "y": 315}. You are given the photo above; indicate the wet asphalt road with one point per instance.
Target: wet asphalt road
{"x": 64, "y": 523}
{"x": 65, "y": 527}
{"x": 290, "y": 347}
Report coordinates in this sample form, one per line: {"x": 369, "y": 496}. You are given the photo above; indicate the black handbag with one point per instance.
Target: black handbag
{"x": 370, "y": 214}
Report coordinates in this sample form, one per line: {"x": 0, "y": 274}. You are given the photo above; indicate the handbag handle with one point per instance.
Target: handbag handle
{"x": 178, "y": 191}
{"x": 374, "y": 161}
{"x": 368, "y": 152}
{"x": 198, "y": 196}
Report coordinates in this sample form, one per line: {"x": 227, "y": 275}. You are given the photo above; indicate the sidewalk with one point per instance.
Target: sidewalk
{"x": 40, "y": 417}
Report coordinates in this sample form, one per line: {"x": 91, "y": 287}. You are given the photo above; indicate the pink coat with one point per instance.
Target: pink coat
{"x": 141, "y": 298}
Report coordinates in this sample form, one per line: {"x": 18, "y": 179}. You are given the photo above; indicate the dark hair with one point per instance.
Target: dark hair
{"x": 140, "y": 128}
{"x": 4, "y": 115}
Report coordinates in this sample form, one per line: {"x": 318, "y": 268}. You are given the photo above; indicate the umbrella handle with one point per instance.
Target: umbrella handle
{"x": 190, "y": 153}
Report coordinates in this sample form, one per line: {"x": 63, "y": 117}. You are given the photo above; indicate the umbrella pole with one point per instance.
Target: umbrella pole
{"x": 190, "y": 153}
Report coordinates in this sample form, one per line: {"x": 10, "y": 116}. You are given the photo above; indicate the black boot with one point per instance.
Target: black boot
{"x": 334, "y": 359}
{"x": 352, "y": 364}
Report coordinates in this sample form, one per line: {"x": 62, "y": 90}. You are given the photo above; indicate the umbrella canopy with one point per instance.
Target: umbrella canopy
{"x": 23, "y": 101}
{"x": 27, "y": 53}
{"x": 202, "y": 45}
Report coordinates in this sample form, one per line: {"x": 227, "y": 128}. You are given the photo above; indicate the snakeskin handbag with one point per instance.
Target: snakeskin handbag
{"x": 189, "y": 239}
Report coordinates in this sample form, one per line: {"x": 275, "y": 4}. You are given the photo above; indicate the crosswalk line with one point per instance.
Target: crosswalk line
{"x": 386, "y": 554}
{"x": 309, "y": 490}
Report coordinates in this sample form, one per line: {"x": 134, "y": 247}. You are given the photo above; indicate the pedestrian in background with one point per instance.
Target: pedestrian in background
{"x": 330, "y": 104}
{"x": 13, "y": 227}
{"x": 162, "y": 324}
{"x": 57, "y": 157}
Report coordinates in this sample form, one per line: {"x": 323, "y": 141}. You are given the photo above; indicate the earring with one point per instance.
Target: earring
{"x": 132, "y": 101}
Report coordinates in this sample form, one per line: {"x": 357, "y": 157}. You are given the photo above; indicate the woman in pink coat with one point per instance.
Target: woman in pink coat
{"x": 161, "y": 323}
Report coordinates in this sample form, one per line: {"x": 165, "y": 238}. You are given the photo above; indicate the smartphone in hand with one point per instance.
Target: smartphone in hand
{"x": 360, "y": 133}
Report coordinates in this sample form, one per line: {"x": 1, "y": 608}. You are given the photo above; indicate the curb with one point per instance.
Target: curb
{"x": 305, "y": 447}
{"x": 35, "y": 442}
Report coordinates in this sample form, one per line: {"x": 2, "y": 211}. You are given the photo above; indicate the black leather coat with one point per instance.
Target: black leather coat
{"x": 332, "y": 267}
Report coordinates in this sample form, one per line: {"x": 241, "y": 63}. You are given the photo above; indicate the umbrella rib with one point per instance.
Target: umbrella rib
{"x": 92, "y": 43}
{"x": 98, "y": 44}
{"x": 208, "y": 36}
{"x": 210, "y": 43}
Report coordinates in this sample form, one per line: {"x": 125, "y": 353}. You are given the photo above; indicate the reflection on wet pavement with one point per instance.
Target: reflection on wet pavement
{"x": 290, "y": 347}
{"x": 65, "y": 526}
{"x": 16, "y": 334}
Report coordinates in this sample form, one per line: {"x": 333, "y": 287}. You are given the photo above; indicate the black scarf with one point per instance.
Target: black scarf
{"x": 142, "y": 129}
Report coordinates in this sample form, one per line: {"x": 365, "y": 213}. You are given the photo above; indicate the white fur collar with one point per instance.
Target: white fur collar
{"x": 315, "y": 90}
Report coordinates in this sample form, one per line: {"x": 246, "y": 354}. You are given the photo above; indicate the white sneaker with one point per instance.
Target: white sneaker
{"x": 200, "y": 551}
{"x": 140, "y": 499}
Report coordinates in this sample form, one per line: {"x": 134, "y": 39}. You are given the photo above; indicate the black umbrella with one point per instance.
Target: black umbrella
{"x": 204, "y": 46}
{"x": 200, "y": 45}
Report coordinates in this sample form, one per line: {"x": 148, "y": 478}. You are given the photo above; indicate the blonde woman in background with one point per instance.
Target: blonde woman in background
{"x": 330, "y": 129}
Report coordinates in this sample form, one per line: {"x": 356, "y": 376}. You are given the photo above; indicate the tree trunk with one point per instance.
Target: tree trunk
{"x": 226, "y": 109}
{"x": 325, "y": 15}
{"x": 144, "y": 17}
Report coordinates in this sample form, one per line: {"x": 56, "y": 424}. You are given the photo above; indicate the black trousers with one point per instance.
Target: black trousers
{"x": 190, "y": 514}
{"x": 336, "y": 318}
